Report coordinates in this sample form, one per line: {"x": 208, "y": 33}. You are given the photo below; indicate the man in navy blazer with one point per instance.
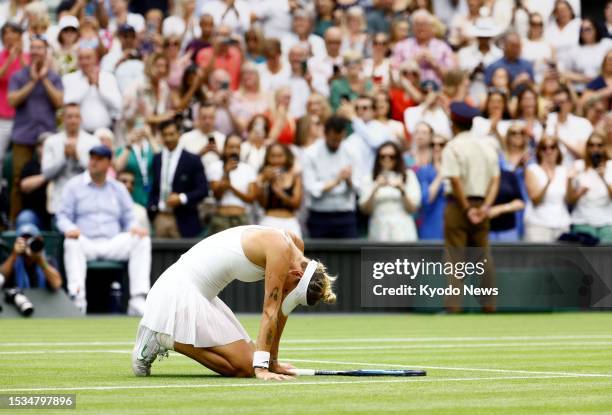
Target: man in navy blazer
{"x": 179, "y": 185}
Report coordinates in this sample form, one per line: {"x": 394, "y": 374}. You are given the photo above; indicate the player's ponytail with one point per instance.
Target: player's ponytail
{"x": 321, "y": 287}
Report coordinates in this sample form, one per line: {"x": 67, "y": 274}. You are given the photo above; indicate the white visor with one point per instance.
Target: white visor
{"x": 299, "y": 295}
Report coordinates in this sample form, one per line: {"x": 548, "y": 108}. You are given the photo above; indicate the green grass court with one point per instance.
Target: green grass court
{"x": 477, "y": 364}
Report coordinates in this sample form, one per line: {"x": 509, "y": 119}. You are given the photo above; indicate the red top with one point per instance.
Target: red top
{"x": 287, "y": 134}
{"x": 231, "y": 62}
{"x": 400, "y": 101}
{"x": 6, "y": 111}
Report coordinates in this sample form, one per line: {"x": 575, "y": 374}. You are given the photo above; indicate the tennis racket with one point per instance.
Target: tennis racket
{"x": 360, "y": 372}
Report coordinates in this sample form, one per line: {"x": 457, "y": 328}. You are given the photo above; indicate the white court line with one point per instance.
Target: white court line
{"x": 523, "y": 345}
{"x": 473, "y": 369}
{"x": 379, "y": 365}
{"x": 343, "y": 340}
{"x": 278, "y": 384}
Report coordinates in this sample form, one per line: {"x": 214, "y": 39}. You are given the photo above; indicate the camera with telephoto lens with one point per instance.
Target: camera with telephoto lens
{"x": 35, "y": 243}
{"x": 16, "y": 297}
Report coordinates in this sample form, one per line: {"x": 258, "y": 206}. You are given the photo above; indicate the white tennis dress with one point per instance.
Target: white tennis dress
{"x": 183, "y": 302}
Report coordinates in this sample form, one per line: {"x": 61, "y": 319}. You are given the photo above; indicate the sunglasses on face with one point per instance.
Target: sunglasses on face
{"x": 550, "y": 147}
{"x": 536, "y": 23}
{"x": 595, "y": 145}
{"x": 516, "y": 132}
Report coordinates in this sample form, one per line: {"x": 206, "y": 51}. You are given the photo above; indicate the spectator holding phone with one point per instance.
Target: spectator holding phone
{"x": 279, "y": 189}
{"x": 234, "y": 188}
{"x": 205, "y": 140}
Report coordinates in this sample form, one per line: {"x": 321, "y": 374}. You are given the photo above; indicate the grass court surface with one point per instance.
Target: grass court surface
{"x": 477, "y": 364}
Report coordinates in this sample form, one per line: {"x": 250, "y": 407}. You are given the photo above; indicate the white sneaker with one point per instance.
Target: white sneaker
{"x": 79, "y": 302}
{"x": 136, "y": 306}
{"x": 146, "y": 350}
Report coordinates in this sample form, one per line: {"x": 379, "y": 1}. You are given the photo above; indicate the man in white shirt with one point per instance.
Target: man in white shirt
{"x": 300, "y": 86}
{"x": 330, "y": 181}
{"x": 301, "y": 33}
{"x": 65, "y": 155}
{"x": 275, "y": 71}
{"x": 571, "y": 131}
{"x": 323, "y": 68}
{"x": 121, "y": 15}
{"x": 204, "y": 140}
{"x": 274, "y": 16}
{"x": 368, "y": 133}
{"x": 95, "y": 91}
{"x": 483, "y": 52}
{"x": 430, "y": 111}
{"x": 233, "y": 13}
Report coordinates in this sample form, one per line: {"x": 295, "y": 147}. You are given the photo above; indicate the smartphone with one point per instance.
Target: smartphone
{"x": 211, "y": 139}
{"x": 304, "y": 67}
{"x": 224, "y": 85}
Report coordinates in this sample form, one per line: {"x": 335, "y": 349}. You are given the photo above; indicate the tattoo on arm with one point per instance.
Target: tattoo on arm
{"x": 269, "y": 337}
{"x": 274, "y": 294}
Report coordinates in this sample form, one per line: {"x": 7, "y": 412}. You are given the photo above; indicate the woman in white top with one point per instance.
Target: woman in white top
{"x": 590, "y": 190}
{"x": 378, "y": 66}
{"x": 354, "y": 38}
{"x": 495, "y": 119}
{"x": 563, "y": 29}
{"x": 546, "y": 216}
{"x": 527, "y": 112}
{"x": 233, "y": 185}
{"x": 183, "y": 312}
{"x": 391, "y": 195}
{"x": 382, "y": 107}
{"x": 536, "y": 48}
{"x": 253, "y": 151}
{"x": 583, "y": 63}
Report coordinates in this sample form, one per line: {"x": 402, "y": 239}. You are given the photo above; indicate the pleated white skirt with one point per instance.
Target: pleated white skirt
{"x": 176, "y": 307}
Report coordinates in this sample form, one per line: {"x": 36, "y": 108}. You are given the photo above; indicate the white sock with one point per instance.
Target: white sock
{"x": 166, "y": 340}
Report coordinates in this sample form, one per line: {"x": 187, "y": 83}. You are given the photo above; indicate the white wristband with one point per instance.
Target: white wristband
{"x": 261, "y": 359}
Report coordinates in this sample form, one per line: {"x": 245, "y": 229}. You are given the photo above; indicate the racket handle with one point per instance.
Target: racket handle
{"x": 304, "y": 372}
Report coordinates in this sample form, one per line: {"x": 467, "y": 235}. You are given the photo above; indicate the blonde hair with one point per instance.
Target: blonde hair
{"x": 321, "y": 286}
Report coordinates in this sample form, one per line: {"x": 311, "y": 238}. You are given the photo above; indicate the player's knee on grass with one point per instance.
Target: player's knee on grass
{"x": 243, "y": 368}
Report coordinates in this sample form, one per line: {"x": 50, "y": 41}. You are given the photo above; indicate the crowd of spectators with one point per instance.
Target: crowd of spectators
{"x": 326, "y": 117}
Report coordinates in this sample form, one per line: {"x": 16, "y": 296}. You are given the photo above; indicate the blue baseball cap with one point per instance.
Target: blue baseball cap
{"x": 101, "y": 151}
{"x": 28, "y": 229}
{"x": 462, "y": 113}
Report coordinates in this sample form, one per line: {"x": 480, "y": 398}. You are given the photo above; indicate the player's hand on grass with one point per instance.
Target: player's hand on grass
{"x": 281, "y": 368}
{"x": 265, "y": 374}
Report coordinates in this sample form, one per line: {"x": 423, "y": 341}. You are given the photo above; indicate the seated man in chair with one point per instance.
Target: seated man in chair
{"x": 97, "y": 220}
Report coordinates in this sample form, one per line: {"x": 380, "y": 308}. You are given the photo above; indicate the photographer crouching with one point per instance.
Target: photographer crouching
{"x": 27, "y": 265}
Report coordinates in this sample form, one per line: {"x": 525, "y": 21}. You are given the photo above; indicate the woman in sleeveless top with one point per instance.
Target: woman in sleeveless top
{"x": 279, "y": 189}
{"x": 184, "y": 314}
{"x": 546, "y": 215}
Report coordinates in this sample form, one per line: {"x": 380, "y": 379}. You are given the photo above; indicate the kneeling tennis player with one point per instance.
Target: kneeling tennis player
{"x": 184, "y": 314}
